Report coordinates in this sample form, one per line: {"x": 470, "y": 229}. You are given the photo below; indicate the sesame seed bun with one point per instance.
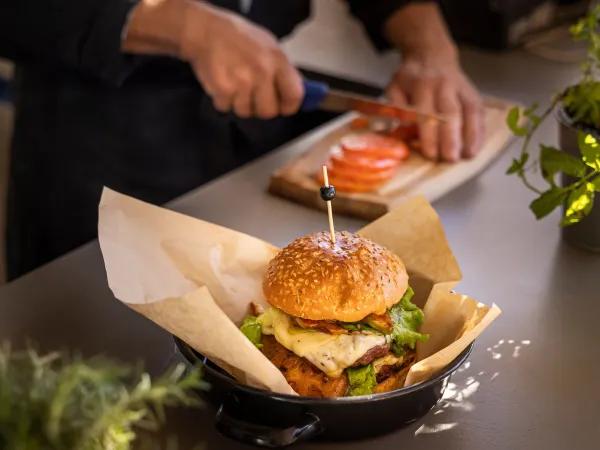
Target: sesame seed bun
{"x": 314, "y": 279}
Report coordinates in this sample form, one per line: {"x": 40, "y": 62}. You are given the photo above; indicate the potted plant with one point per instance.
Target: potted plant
{"x": 51, "y": 402}
{"x": 577, "y": 160}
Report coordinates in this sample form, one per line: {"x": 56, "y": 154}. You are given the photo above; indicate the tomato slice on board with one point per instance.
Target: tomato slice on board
{"x": 374, "y": 146}
{"x": 361, "y": 175}
{"x": 405, "y": 132}
{"x": 349, "y": 186}
{"x": 347, "y": 161}
{"x": 360, "y": 123}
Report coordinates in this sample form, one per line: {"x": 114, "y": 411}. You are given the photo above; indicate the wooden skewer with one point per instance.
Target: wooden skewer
{"x": 329, "y": 211}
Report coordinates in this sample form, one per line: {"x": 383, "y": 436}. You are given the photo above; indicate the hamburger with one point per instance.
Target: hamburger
{"x": 341, "y": 321}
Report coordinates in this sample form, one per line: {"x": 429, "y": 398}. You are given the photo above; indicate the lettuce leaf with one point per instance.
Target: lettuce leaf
{"x": 362, "y": 380}
{"x": 252, "y": 328}
{"x": 407, "y": 318}
{"x": 358, "y": 326}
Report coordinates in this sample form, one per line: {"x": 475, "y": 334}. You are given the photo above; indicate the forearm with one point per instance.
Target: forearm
{"x": 176, "y": 28}
{"x": 419, "y": 28}
{"x": 156, "y": 27}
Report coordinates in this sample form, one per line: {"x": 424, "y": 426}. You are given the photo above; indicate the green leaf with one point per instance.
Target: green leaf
{"x": 582, "y": 101}
{"x": 548, "y": 202}
{"x": 358, "y": 326}
{"x": 594, "y": 93}
{"x": 512, "y": 120}
{"x": 518, "y": 164}
{"x": 596, "y": 183}
{"x": 582, "y": 109}
{"x": 576, "y": 29}
{"x": 407, "y": 319}
{"x": 568, "y": 98}
{"x": 590, "y": 150}
{"x": 362, "y": 380}
{"x": 594, "y": 113}
{"x": 553, "y": 161}
{"x": 351, "y": 326}
{"x": 515, "y": 167}
{"x": 252, "y": 329}
{"x": 529, "y": 113}
{"x": 397, "y": 349}
{"x": 579, "y": 204}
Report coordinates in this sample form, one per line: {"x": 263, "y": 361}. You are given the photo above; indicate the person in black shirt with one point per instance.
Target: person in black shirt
{"x": 156, "y": 97}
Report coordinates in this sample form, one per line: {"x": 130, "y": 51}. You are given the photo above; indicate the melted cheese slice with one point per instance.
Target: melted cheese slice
{"x": 330, "y": 353}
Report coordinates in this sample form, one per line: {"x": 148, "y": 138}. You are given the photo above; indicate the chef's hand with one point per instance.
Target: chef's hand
{"x": 430, "y": 78}
{"x": 438, "y": 85}
{"x": 240, "y": 65}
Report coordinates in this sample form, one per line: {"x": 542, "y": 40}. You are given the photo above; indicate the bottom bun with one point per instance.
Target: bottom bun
{"x": 308, "y": 381}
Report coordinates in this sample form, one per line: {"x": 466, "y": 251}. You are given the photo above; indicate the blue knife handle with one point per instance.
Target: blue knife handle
{"x": 314, "y": 93}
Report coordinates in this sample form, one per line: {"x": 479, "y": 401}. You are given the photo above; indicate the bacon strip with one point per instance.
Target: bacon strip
{"x": 382, "y": 322}
{"x": 324, "y": 326}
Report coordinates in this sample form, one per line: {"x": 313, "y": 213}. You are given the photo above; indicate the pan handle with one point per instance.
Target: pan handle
{"x": 261, "y": 435}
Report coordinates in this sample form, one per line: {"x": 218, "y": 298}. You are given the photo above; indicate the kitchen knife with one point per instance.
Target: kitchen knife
{"x": 317, "y": 95}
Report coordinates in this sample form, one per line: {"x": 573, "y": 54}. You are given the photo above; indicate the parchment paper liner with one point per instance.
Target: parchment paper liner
{"x": 196, "y": 280}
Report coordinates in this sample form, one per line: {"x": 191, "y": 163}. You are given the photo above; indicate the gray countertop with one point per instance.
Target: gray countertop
{"x": 531, "y": 380}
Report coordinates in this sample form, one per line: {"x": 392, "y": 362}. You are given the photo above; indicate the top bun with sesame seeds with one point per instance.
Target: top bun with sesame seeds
{"x": 314, "y": 279}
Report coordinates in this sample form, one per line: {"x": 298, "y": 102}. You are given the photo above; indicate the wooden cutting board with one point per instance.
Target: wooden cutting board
{"x": 416, "y": 176}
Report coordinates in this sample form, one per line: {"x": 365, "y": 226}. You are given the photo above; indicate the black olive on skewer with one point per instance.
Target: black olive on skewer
{"x": 327, "y": 193}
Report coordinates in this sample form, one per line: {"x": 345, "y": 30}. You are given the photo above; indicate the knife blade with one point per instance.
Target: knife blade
{"x": 317, "y": 95}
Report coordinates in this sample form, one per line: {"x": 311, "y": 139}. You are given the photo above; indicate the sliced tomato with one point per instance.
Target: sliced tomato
{"x": 374, "y": 146}
{"x": 345, "y": 160}
{"x": 350, "y": 186}
{"x": 360, "y": 123}
{"x": 405, "y": 132}
{"x": 361, "y": 175}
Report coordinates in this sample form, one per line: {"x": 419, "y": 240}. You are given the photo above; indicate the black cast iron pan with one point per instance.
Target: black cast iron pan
{"x": 268, "y": 420}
